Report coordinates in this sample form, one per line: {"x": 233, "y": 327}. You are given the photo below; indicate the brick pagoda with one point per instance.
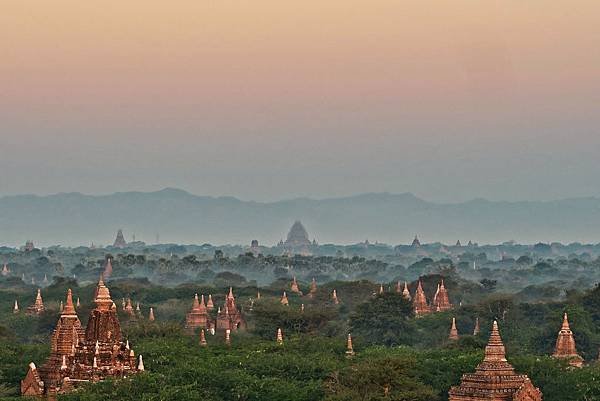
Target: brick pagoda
{"x": 82, "y": 356}
{"x": 197, "y": 316}
{"x": 230, "y": 318}
{"x": 38, "y": 306}
{"x": 494, "y": 378}
{"x": 565, "y": 345}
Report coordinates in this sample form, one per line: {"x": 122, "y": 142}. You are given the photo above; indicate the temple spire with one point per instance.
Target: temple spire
{"x": 476, "y": 330}
{"x": 420, "y": 301}
{"x": 406, "y": 292}
{"x": 381, "y": 288}
{"x": 349, "y": 347}
{"x": 294, "y": 286}
{"x": 69, "y": 308}
{"x": 495, "y": 351}
{"x": 203, "y": 342}
{"x": 565, "y": 345}
{"x": 102, "y": 299}
{"x": 453, "y": 331}
{"x": 335, "y": 298}
{"x": 16, "y": 307}
{"x": 209, "y": 304}
{"x": 279, "y": 336}
{"x": 151, "y": 315}
{"x": 284, "y": 299}
{"x": 140, "y": 366}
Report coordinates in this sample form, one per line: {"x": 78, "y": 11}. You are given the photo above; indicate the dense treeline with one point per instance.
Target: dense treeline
{"x": 398, "y": 356}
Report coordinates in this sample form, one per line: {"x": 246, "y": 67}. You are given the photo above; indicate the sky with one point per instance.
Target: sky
{"x": 267, "y": 100}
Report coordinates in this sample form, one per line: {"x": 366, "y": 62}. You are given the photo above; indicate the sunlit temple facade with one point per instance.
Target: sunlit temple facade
{"x": 82, "y": 356}
{"x": 494, "y": 378}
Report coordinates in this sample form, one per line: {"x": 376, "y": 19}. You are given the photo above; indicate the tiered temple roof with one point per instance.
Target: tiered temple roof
{"x": 565, "y": 345}
{"x": 494, "y": 378}
{"x": 230, "y": 317}
{"x": 420, "y": 301}
{"x": 197, "y": 317}
{"x": 441, "y": 301}
{"x": 294, "y": 287}
{"x": 79, "y": 356}
{"x": 38, "y": 306}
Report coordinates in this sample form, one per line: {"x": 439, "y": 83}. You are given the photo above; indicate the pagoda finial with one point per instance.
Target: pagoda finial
{"x": 203, "y": 342}
{"x": 279, "y": 336}
{"x": 565, "y": 323}
{"x": 349, "y": 347}
{"x": 209, "y": 304}
{"x": 230, "y": 295}
{"x": 68, "y": 308}
{"x": 495, "y": 351}
{"x": 202, "y": 304}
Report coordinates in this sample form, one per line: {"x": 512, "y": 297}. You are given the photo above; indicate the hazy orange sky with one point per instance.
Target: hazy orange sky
{"x": 273, "y": 99}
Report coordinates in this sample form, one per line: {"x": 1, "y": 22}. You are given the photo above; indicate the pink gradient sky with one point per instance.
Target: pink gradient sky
{"x": 273, "y": 99}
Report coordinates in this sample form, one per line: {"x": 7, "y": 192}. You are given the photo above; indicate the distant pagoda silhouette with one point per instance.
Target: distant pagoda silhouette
{"x": 120, "y": 240}
{"x": 297, "y": 240}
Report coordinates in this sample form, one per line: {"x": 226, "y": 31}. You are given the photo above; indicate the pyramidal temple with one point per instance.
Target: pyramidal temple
{"x": 494, "y": 378}
{"x": 82, "y": 356}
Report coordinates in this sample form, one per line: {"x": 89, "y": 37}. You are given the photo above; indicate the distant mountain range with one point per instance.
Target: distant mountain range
{"x": 180, "y": 217}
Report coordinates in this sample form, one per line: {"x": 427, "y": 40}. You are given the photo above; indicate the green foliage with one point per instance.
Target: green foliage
{"x": 384, "y": 319}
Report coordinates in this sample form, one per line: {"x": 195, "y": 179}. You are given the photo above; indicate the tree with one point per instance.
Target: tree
{"x": 385, "y": 319}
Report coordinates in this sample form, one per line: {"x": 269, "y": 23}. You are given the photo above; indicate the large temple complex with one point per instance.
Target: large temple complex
{"x": 297, "y": 241}
{"x": 82, "y": 356}
{"x": 441, "y": 300}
